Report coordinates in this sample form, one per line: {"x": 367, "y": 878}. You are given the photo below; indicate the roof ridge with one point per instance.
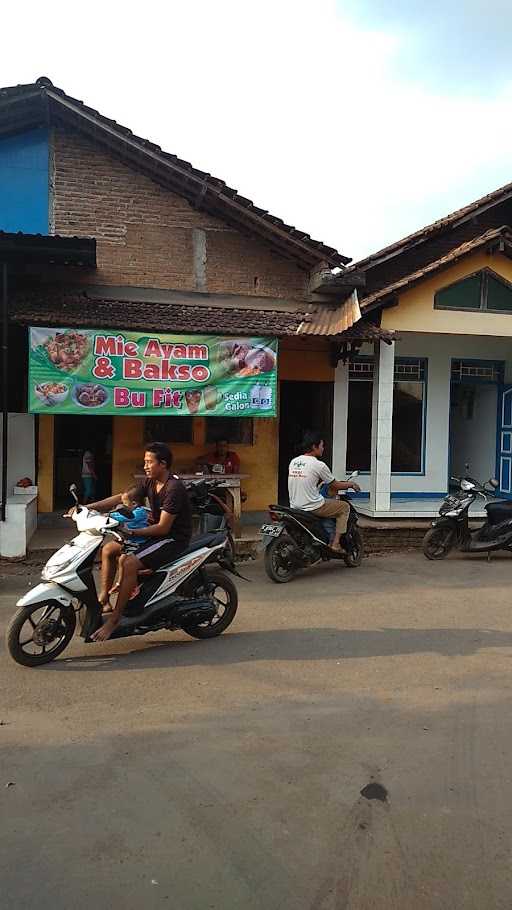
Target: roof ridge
{"x": 241, "y": 207}
{"x": 457, "y": 252}
{"x": 431, "y": 228}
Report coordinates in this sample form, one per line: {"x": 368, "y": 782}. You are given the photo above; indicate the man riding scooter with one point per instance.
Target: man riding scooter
{"x": 306, "y": 474}
{"x": 167, "y": 537}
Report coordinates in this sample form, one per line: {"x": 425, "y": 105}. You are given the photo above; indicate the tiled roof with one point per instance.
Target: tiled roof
{"x": 66, "y": 309}
{"x": 443, "y": 262}
{"x": 202, "y": 190}
{"x": 55, "y": 307}
{"x": 367, "y": 331}
{"x": 424, "y": 233}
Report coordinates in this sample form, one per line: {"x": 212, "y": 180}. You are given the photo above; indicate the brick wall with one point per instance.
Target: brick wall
{"x": 148, "y": 236}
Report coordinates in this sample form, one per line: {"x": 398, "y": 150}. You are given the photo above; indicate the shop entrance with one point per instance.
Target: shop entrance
{"x": 302, "y": 406}
{"x": 75, "y": 434}
{"x": 474, "y": 400}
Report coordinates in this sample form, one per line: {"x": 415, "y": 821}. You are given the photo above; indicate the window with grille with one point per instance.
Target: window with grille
{"x": 409, "y": 402}
{"x": 482, "y": 370}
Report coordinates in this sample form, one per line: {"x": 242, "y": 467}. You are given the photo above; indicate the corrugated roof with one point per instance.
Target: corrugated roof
{"x": 443, "y": 262}
{"x": 328, "y": 320}
{"x": 202, "y": 189}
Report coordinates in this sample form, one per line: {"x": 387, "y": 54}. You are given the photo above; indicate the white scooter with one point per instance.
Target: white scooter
{"x": 183, "y": 595}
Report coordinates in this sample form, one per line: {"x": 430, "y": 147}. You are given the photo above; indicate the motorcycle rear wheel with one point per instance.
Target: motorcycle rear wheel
{"x": 275, "y": 562}
{"x": 48, "y": 633}
{"x": 438, "y": 542}
{"x": 225, "y": 595}
{"x": 355, "y": 552}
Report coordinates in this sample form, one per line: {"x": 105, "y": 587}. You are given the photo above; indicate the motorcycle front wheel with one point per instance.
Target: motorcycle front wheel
{"x": 225, "y": 597}
{"x": 39, "y": 633}
{"x": 438, "y": 542}
{"x": 277, "y": 565}
{"x": 355, "y": 549}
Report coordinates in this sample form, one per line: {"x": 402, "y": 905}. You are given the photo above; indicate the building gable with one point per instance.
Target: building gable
{"x": 418, "y": 310}
{"x": 149, "y": 236}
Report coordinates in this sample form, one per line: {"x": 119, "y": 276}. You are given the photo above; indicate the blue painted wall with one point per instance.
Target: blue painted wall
{"x": 24, "y": 182}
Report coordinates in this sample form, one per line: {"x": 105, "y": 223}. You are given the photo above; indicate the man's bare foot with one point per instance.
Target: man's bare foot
{"x": 105, "y": 631}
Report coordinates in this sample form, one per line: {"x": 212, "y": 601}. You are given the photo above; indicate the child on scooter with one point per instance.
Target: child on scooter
{"x": 133, "y": 516}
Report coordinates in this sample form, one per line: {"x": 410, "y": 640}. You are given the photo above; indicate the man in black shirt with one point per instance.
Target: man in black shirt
{"x": 168, "y": 535}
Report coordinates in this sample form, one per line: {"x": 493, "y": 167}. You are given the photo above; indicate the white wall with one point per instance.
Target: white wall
{"x": 21, "y": 460}
{"x": 439, "y": 351}
{"x": 21, "y": 522}
{"x": 20, "y": 525}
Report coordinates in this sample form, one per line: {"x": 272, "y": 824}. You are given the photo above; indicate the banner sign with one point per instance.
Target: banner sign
{"x": 97, "y": 371}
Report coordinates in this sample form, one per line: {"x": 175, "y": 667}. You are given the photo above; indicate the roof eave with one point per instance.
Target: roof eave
{"x": 201, "y": 189}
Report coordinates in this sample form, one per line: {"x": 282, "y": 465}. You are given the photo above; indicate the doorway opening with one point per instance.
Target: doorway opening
{"x": 302, "y": 406}
{"x": 473, "y": 415}
{"x": 73, "y": 435}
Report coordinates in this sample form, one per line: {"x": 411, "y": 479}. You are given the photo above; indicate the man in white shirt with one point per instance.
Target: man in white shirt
{"x": 305, "y": 476}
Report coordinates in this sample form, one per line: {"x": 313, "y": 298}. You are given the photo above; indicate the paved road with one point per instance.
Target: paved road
{"x": 167, "y": 772}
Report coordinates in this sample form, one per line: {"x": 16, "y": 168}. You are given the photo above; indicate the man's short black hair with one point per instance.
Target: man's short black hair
{"x": 311, "y": 439}
{"x": 161, "y": 452}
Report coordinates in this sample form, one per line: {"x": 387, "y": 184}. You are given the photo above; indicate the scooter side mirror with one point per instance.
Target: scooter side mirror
{"x": 353, "y": 474}
{"x": 74, "y": 492}
{"x": 494, "y": 483}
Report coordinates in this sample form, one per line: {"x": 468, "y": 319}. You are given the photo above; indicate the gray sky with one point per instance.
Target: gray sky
{"x": 358, "y": 121}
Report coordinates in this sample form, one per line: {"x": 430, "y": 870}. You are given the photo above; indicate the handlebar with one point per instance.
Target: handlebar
{"x": 121, "y": 538}
{"x": 479, "y": 488}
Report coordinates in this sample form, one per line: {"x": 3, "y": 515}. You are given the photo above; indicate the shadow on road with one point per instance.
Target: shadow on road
{"x": 289, "y": 644}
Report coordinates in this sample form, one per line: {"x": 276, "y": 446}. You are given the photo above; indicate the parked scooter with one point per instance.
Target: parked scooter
{"x": 210, "y": 508}
{"x": 298, "y": 539}
{"x": 451, "y": 530}
{"x": 190, "y": 594}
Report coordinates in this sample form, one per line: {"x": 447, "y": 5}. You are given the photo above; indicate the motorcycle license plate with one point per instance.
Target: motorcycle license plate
{"x": 271, "y": 530}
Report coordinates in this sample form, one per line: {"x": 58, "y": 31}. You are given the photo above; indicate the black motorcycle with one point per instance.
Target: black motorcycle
{"x": 209, "y": 506}
{"x": 298, "y": 539}
{"x": 451, "y": 530}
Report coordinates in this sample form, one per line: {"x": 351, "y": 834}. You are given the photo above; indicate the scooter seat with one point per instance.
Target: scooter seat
{"x": 205, "y": 540}
{"x": 499, "y": 511}
{"x": 301, "y": 514}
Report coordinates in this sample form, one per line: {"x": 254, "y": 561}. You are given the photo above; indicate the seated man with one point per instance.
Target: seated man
{"x": 221, "y": 460}
{"x": 165, "y": 539}
{"x": 305, "y": 475}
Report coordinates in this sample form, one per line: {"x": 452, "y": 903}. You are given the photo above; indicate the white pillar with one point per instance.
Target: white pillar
{"x": 382, "y": 425}
{"x": 340, "y": 417}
